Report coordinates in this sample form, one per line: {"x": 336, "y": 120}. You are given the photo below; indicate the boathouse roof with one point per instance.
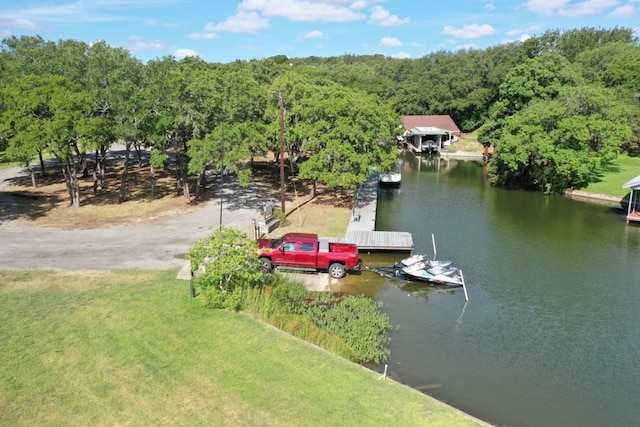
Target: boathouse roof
{"x": 429, "y": 130}
{"x": 442, "y": 121}
{"x": 634, "y": 184}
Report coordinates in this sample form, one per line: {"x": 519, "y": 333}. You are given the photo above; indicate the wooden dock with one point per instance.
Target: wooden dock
{"x": 380, "y": 240}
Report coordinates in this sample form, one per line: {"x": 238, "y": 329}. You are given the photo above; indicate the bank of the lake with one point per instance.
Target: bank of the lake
{"x": 131, "y": 347}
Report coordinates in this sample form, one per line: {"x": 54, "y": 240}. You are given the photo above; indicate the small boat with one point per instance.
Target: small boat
{"x": 448, "y": 271}
{"x": 390, "y": 178}
{"x": 413, "y": 259}
{"x": 446, "y": 276}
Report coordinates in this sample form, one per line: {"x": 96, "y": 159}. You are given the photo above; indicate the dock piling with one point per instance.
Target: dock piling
{"x": 464, "y": 287}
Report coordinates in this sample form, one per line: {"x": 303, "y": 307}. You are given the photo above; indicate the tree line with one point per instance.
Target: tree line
{"x": 555, "y": 108}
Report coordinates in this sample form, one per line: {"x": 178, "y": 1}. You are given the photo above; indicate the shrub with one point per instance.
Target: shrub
{"x": 359, "y": 322}
{"x": 226, "y": 259}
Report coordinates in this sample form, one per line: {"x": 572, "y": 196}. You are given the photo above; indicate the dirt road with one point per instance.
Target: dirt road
{"x": 157, "y": 245}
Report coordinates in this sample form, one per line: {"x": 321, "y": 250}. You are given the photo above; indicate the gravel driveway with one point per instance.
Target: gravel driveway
{"x": 158, "y": 245}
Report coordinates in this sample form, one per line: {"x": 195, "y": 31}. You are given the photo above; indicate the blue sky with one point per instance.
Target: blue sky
{"x": 226, "y": 30}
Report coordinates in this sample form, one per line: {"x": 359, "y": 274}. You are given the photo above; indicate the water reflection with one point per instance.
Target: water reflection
{"x": 551, "y": 332}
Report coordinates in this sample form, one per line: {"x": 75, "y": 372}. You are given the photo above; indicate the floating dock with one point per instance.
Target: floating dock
{"x": 362, "y": 227}
{"x": 380, "y": 240}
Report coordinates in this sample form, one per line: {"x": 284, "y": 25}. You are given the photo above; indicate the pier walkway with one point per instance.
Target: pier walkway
{"x": 362, "y": 227}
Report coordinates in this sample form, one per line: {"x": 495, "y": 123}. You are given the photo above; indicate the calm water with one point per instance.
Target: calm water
{"x": 551, "y": 333}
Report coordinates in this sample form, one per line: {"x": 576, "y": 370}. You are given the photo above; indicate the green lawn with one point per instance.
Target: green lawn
{"x": 132, "y": 348}
{"x": 613, "y": 177}
{"x": 4, "y": 162}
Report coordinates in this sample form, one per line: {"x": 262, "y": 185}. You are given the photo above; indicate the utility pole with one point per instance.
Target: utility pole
{"x": 281, "y": 102}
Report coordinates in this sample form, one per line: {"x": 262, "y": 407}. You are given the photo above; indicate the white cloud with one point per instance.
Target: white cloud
{"x": 382, "y": 17}
{"x": 24, "y": 24}
{"x": 303, "y": 10}
{"x": 469, "y": 46}
{"x": 183, "y": 53}
{"x": 626, "y": 11}
{"x": 568, "y": 9}
{"x": 154, "y": 23}
{"x": 401, "y": 55}
{"x": 137, "y": 44}
{"x": 203, "y": 36}
{"x": 520, "y": 34}
{"x": 489, "y": 6}
{"x": 472, "y": 31}
{"x": 247, "y": 23}
{"x": 390, "y": 41}
{"x": 19, "y": 23}
{"x": 313, "y": 34}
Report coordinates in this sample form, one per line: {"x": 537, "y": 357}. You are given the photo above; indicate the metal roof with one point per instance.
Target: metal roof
{"x": 438, "y": 121}
{"x": 633, "y": 184}
{"x": 428, "y": 130}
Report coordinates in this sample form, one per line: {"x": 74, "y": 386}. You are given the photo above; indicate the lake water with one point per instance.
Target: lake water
{"x": 550, "y": 335}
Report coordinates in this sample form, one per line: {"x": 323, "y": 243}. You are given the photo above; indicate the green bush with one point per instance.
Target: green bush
{"x": 213, "y": 298}
{"x": 359, "y": 322}
{"x": 282, "y": 217}
{"x": 292, "y": 296}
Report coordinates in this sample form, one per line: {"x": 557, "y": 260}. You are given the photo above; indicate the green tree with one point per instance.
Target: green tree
{"x": 233, "y": 105}
{"x": 562, "y": 143}
{"x": 342, "y": 134}
{"x": 48, "y": 112}
{"x": 225, "y": 260}
{"x": 114, "y": 80}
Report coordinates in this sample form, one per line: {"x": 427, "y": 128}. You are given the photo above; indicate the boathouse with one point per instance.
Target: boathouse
{"x": 429, "y": 134}
{"x": 633, "y": 210}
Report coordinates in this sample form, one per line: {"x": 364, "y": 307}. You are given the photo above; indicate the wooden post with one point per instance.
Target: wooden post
{"x": 464, "y": 288}
{"x": 384, "y": 374}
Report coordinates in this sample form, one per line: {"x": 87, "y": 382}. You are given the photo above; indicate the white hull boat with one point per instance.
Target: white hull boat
{"x": 390, "y": 178}
{"x": 413, "y": 259}
{"x": 447, "y": 276}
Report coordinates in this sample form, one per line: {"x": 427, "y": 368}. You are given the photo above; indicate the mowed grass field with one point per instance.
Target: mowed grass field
{"x": 613, "y": 177}
{"x": 132, "y": 347}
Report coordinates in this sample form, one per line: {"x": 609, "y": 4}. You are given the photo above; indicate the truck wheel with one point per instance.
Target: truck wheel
{"x": 336, "y": 270}
{"x": 265, "y": 265}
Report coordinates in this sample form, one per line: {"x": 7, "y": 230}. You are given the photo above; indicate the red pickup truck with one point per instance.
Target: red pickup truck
{"x": 304, "y": 251}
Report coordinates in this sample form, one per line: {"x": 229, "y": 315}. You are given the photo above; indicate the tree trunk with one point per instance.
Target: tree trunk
{"x": 43, "y": 172}
{"x": 83, "y": 161}
{"x": 67, "y": 181}
{"x": 181, "y": 172}
{"x": 103, "y": 167}
{"x": 125, "y": 171}
{"x": 75, "y": 185}
{"x": 153, "y": 182}
{"x": 96, "y": 172}
{"x": 72, "y": 184}
{"x": 200, "y": 185}
{"x": 95, "y": 181}
{"x": 33, "y": 177}
{"x": 136, "y": 146}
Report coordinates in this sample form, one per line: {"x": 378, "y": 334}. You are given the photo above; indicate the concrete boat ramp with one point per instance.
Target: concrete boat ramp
{"x": 361, "y": 231}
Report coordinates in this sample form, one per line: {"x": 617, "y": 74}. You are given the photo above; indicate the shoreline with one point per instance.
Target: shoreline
{"x": 605, "y": 199}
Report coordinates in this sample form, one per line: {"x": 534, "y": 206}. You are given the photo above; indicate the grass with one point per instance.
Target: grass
{"x": 613, "y": 177}
{"x": 130, "y": 347}
{"x": 5, "y": 162}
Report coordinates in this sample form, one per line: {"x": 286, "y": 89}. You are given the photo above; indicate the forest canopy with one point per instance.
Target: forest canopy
{"x": 555, "y": 108}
